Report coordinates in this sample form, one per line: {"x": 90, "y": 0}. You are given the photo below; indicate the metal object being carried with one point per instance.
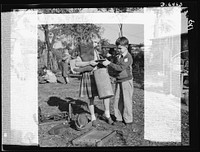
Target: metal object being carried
{"x": 94, "y": 137}
{"x": 103, "y": 83}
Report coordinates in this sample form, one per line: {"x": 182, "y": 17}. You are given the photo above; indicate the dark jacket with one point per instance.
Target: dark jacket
{"x": 123, "y": 68}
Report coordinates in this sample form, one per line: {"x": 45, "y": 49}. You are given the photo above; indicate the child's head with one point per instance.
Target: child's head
{"x": 44, "y": 69}
{"x": 122, "y": 44}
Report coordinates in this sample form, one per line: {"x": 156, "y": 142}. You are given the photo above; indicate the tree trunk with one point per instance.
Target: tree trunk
{"x": 49, "y": 47}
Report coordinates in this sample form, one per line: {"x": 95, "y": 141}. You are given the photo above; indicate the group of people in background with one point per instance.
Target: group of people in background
{"x": 47, "y": 76}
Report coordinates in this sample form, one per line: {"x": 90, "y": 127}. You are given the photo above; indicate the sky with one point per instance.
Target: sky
{"x": 133, "y": 32}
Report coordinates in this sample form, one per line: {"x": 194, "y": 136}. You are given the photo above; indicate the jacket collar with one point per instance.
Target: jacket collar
{"x": 124, "y": 54}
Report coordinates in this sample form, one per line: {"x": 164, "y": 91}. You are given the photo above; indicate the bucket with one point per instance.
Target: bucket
{"x": 103, "y": 83}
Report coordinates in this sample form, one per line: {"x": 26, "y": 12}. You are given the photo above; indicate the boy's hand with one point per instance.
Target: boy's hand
{"x": 105, "y": 63}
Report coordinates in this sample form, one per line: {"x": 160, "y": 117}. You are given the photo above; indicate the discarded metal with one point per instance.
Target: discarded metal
{"x": 59, "y": 129}
{"x": 52, "y": 119}
{"x": 94, "y": 137}
{"x": 61, "y": 117}
{"x": 82, "y": 122}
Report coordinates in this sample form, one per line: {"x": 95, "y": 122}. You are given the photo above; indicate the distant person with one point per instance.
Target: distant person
{"x": 123, "y": 102}
{"x": 65, "y": 64}
{"x": 47, "y": 76}
{"x": 74, "y": 57}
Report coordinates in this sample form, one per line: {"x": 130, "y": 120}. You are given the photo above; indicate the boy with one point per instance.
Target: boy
{"x": 124, "y": 83}
{"x": 48, "y": 76}
{"x": 65, "y": 64}
{"x": 88, "y": 86}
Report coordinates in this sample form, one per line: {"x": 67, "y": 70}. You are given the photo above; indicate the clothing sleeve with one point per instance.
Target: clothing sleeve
{"x": 121, "y": 65}
{"x": 78, "y": 59}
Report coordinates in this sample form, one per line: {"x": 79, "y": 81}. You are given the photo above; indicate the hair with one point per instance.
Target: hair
{"x": 41, "y": 71}
{"x": 123, "y": 41}
{"x": 44, "y": 67}
{"x": 94, "y": 36}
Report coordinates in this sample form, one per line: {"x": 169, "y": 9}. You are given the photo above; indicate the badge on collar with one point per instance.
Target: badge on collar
{"x": 126, "y": 60}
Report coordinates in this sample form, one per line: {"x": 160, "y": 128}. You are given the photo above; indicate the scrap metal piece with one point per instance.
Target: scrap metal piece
{"x": 53, "y": 118}
{"x": 59, "y": 129}
{"x": 94, "y": 137}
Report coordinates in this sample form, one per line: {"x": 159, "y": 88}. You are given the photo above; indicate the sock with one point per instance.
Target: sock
{"x": 107, "y": 107}
{"x": 93, "y": 117}
{"x": 67, "y": 79}
{"x": 107, "y": 113}
{"x": 91, "y": 108}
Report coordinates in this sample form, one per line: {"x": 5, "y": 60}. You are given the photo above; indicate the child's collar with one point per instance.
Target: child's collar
{"x": 124, "y": 54}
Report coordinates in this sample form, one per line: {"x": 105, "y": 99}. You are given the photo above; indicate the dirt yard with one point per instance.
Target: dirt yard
{"x": 54, "y": 98}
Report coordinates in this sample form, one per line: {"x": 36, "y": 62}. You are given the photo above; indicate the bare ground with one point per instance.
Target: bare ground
{"x": 54, "y": 98}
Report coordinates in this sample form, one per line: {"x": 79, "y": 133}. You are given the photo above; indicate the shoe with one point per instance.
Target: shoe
{"x": 95, "y": 123}
{"x": 108, "y": 120}
{"x": 131, "y": 127}
{"x": 118, "y": 123}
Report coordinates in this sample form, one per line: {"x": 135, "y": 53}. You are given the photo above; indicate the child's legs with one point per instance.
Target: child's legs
{"x": 127, "y": 87}
{"x": 65, "y": 68}
{"x": 91, "y": 108}
{"x": 118, "y": 104}
{"x": 107, "y": 107}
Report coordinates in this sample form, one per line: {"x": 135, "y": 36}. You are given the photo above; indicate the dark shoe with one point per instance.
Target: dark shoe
{"x": 95, "y": 123}
{"x": 129, "y": 125}
{"x": 118, "y": 123}
{"x": 132, "y": 127}
{"x": 108, "y": 120}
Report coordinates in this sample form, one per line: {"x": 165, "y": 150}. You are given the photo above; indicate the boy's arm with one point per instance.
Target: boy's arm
{"x": 121, "y": 65}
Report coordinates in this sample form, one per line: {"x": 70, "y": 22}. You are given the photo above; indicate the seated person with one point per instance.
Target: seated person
{"x": 65, "y": 64}
{"x": 48, "y": 76}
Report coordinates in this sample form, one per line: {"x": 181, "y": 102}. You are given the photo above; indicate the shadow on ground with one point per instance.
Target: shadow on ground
{"x": 78, "y": 106}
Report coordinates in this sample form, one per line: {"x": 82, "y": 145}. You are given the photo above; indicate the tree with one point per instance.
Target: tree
{"x": 104, "y": 42}
{"x": 53, "y": 30}
{"x": 81, "y": 32}
{"x": 185, "y": 10}
{"x": 69, "y": 34}
{"x": 41, "y": 47}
